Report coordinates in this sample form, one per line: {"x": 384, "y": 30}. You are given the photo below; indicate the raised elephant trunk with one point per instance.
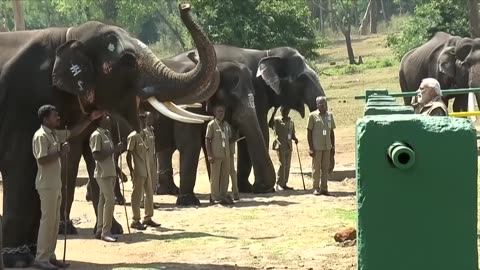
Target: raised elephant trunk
{"x": 165, "y": 84}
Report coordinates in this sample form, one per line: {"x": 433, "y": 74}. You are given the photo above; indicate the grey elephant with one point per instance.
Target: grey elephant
{"x": 278, "y": 77}
{"x": 79, "y": 70}
{"x": 452, "y": 60}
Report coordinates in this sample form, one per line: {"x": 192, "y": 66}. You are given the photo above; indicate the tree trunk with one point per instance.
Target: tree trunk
{"x": 348, "y": 43}
{"x": 109, "y": 10}
{"x": 473, "y": 18}
{"x": 384, "y": 11}
{"x": 18, "y": 14}
{"x": 330, "y": 8}
{"x": 322, "y": 26}
{"x": 364, "y": 24}
{"x": 373, "y": 16}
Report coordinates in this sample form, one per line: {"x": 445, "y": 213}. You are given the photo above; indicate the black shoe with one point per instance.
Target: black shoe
{"x": 59, "y": 264}
{"x": 229, "y": 199}
{"x": 287, "y": 188}
{"x": 98, "y": 235}
{"x": 150, "y": 223}
{"x": 137, "y": 225}
{"x": 109, "y": 238}
{"x": 236, "y": 197}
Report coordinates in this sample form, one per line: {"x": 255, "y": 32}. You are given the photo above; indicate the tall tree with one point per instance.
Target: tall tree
{"x": 373, "y": 16}
{"x": 365, "y": 20}
{"x": 18, "y": 14}
{"x": 473, "y": 18}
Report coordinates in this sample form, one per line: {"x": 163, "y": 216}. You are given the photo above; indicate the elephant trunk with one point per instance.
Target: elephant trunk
{"x": 164, "y": 84}
{"x": 474, "y": 80}
{"x": 257, "y": 148}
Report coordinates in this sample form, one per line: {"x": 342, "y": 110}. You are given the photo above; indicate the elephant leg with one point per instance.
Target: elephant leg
{"x": 188, "y": 143}
{"x": 21, "y": 207}
{"x": 244, "y": 167}
{"x": 95, "y": 190}
{"x": 460, "y": 104}
{"x": 166, "y": 185}
{"x": 69, "y": 177}
{"x": 119, "y": 199}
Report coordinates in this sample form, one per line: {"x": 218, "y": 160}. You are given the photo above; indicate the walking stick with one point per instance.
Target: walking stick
{"x": 301, "y": 171}
{"x": 121, "y": 181}
{"x": 65, "y": 205}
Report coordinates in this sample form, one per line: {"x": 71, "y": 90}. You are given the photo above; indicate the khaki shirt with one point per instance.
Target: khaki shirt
{"x": 150, "y": 143}
{"x": 138, "y": 149}
{"x": 45, "y": 142}
{"x": 321, "y": 127}
{"x": 101, "y": 140}
{"x": 284, "y": 131}
{"x": 220, "y": 136}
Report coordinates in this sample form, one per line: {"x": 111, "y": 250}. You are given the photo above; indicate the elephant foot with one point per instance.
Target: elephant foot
{"x": 245, "y": 187}
{"x": 187, "y": 200}
{"x": 170, "y": 189}
{"x": 71, "y": 230}
{"x": 20, "y": 257}
{"x": 88, "y": 197}
{"x": 261, "y": 189}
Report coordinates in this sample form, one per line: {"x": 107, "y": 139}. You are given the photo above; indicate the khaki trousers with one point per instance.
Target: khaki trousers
{"x": 233, "y": 175}
{"x": 285, "y": 159}
{"x": 139, "y": 185}
{"x": 50, "y": 201}
{"x": 106, "y": 204}
{"x": 152, "y": 178}
{"x": 320, "y": 167}
{"x": 219, "y": 169}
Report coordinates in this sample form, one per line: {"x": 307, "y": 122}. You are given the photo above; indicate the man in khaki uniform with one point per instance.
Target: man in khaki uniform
{"x": 284, "y": 130}
{"x": 105, "y": 172}
{"x": 49, "y": 145}
{"x": 217, "y": 141}
{"x": 321, "y": 142}
{"x": 151, "y": 156}
{"x": 137, "y": 149}
{"x": 429, "y": 99}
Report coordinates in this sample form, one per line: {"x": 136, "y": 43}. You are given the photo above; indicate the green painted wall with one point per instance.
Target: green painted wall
{"x": 382, "y": 103}
{"x": 424, "y": 217}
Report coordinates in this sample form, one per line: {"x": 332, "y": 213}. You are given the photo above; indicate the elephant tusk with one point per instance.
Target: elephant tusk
{"x": 161, "y": 108}
{"x": 194, "y": 105}
{"x": 176, "y": 109}
{"x": 471, "y": 106}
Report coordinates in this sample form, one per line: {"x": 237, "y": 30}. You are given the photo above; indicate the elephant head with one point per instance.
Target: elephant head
{"x": 285, "y": 71}
{"x": 106, "y": 68}
{"x": 447, "y": 66}
{"x": 467, "y": 53}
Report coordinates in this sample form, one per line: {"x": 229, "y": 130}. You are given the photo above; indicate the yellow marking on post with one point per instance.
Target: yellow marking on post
{"x": 464, "y": 114}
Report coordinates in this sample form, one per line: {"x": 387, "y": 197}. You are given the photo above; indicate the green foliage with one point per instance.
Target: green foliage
{"x": 260, "y": 24}
{"x": 450, "y": 16}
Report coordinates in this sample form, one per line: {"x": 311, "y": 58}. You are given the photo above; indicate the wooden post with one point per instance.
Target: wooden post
{"x": 18, "y": 13}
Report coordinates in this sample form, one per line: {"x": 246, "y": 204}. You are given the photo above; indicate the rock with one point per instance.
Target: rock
{"x": 346, "y": 234}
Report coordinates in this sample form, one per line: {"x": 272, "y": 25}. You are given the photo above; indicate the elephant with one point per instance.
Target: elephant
{"x": 277, "y": 77}
{"x": 93, "y": 66}
{"x": 452, "y": 60}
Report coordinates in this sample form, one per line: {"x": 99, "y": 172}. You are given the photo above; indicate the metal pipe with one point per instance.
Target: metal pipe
{"x": 401, "y": 155}
{"x": 444, "y": 92}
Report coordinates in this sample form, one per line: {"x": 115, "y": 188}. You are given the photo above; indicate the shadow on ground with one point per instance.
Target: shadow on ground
{"x": 144, "y": 236}
{"x": 167, "y": 266}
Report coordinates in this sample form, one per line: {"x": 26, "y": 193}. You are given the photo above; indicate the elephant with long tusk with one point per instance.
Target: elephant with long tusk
{"x": 93, "y": 66}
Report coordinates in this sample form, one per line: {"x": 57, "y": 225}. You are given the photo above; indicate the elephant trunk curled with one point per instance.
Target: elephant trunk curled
{"x": 166, "y": 85}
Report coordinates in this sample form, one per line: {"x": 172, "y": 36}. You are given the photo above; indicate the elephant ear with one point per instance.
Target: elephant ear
{"x": 446, "y": 62}
{"x": 268, "y": 69}
{"x": 73, "y": 70}
{"x": 463, "y": 48}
